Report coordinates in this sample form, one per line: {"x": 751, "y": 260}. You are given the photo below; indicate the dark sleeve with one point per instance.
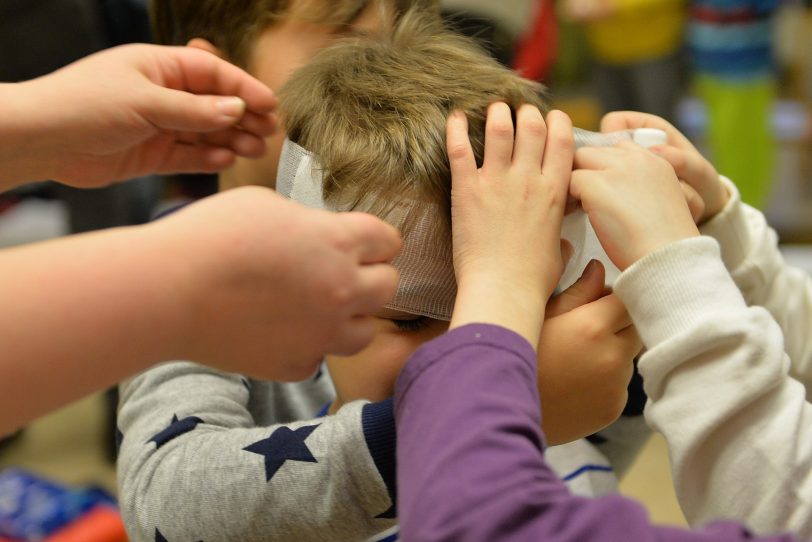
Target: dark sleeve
{"x": 470, "y": 460}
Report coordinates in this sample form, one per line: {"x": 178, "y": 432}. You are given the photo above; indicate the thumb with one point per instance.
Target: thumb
{"x": 177, "y": 110}
{"x": 586, "y": 289}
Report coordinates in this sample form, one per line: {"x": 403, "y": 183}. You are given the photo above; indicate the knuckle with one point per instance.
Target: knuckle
{"x": 458, "y": 151}
{"x": 500, "y": 129}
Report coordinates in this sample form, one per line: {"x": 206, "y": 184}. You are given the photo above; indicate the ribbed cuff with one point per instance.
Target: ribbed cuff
{"x": 378, "y": 422}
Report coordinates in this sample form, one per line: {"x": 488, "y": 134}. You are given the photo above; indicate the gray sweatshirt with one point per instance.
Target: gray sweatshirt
{"x": 210, "y": 456}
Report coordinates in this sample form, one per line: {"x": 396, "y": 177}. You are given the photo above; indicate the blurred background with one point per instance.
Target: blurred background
{"x": 740, "y": 86}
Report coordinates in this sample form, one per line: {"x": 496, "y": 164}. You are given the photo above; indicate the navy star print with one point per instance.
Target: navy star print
{"x": 176, "y": 428}
{"x": 283, "y": 445}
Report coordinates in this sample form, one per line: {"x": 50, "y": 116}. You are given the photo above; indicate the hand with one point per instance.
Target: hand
{"x": 506, "y": 216}
{"x": 134, "y": 110}
{"x": 633, "y": 199}
{"x": 268, "y": 287}
{"x": 705, "y": 193}
{"x": 586, "y": 354}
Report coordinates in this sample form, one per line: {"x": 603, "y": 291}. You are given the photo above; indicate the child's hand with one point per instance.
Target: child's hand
{"x": 506, "y": 216}
{"x": 586, "y": 351}
{"x": 634, "y": 201}
{"x": 276, "y": 286}
{"x": 689, "y": 164}
{"x": 134, "y": 110}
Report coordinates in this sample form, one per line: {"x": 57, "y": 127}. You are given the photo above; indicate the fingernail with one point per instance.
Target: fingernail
{"x": 231, "y": 107}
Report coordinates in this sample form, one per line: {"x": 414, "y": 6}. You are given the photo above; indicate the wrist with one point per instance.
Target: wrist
{"x": 21, "y": 133}
{"x": 486, "y": 299}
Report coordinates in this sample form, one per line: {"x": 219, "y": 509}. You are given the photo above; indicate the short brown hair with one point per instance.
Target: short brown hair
{"x": 233, "y": 25}
{"x": 375, "y": 110}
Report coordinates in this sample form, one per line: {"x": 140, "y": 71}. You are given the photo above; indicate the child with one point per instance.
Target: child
{"x": 327, "y": 478}
{"x": 373, "y": 114}
{"x": 754, "y": 393}
{"x": 215, "y": 456}
{"x": 470, "y": 457}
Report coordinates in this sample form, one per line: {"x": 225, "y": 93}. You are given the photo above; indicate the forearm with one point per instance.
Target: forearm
{"x": 82, "y": 313}
{"x": 24, "y": 128}
{"x": 750, "y": 252}
{"x": 738, "y": 427}
{"x": 470, "y": 460}
{"x": 219, "y": 476}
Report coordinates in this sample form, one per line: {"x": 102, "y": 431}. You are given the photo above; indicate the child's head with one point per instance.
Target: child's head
{"x": 270, "y": 39}
{"x": 373, "y": 112}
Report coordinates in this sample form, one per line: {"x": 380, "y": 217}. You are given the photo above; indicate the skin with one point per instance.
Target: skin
{"x": 245, "y": 300}
{"x": 586, "y": 345}
{"x": 149, "y": 109}
{"x": 704, "y": 192}
{"x": 278, "y": 52}
{"x": 213, "y": 282}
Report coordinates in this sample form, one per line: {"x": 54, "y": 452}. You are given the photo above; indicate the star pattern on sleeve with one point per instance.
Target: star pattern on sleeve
{"x": 176, "y": 428}
{"x": 283, "y": 445}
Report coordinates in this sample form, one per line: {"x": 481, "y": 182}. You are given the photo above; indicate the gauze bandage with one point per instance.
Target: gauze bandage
{"x": 576, "y": 227}
{"x": 427, "y": 285}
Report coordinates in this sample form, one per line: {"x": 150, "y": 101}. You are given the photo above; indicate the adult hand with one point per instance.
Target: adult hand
{"x": 586, "y": 354}
{"x": 130, "y": 111}
{"x": 705, "y": 193}
{"x": 506, "y": 216}
{"x": 275, "y": 286}
{"x": 633, "y": 199}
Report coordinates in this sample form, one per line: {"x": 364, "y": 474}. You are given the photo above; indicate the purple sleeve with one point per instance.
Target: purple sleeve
{"x": 470, "y": 461}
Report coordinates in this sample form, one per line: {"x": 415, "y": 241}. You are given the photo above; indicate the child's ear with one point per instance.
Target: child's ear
{"x": 206, "y": 45}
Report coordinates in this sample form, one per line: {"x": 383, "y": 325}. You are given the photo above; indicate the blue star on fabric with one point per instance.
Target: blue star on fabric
{"x": 283, "y": 445}
{"x": 176, "y": 428}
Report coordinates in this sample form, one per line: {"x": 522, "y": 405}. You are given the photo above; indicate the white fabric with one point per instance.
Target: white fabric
{"x": 730, "y": 402}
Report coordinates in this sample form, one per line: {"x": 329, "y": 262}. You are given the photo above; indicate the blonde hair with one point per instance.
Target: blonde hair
{"x": 234, "y": 25}
{"x": 374, "y": 110}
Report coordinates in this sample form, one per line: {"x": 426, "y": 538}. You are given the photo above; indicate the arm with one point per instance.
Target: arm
{"x": 470, "y": 459}
{"x": 215, "y": 475}
{"x": 749, "y": 246}
{"x": 130, "y": 111}
{"x": 717, "y": 379}
{"x": 214, "y": 282}
{"x": 750, "y": 253}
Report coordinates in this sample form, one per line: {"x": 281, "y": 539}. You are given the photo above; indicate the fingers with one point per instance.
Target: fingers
{"x": 460, "y": 153}
{"x": 356, "y": 336}
{"x": 377, "y": 284}
{"x": 241, "y": 142}
{"x": 531, "y": 133}
{"x": 559, "y": 151}
{"x": 374, "y": 240}
{"x": 201, "y": 72}
{"x": 184, "y": 158}
{"x": 588, "y": 288}
{"x": 609, "y": 309}
{"x": 695, "y": 202}
{"x": 629, "y": 120}
{"x": 498, "y": 139}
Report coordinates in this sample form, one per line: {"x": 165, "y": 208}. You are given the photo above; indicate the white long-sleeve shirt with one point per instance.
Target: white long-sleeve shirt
{"x": 722, "y": 389}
